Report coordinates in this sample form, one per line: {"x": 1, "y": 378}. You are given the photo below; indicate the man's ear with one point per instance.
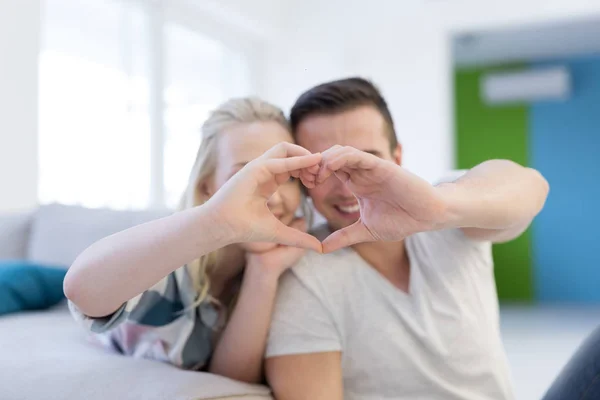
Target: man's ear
{"x": 397, "y": 154}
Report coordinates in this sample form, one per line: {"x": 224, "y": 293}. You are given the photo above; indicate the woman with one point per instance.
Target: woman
{"x": 214, "y": 312}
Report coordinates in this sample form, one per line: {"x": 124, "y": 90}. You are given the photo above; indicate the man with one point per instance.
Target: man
{"x": 410, "y": 310}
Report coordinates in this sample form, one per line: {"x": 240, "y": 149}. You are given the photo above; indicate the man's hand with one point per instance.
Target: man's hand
{"x": 494, "y": 201}
{"x": 394, "y": 203}
{"x": 240, "y": 206}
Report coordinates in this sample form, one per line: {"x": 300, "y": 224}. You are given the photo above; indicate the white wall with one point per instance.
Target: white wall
{"x": 405, "y": 48}
{"x": 19, "y": 46}
{"x": 407, "y": 58}
{"x": 481, "y": 15}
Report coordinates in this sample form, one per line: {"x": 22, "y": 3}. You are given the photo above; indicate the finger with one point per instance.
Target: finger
{"x": 293, "y": 237}
{"x": 314, "y": 169}
{"x": 285, "y": 165}
{"x": 347, "y": 157}
{"x": 308, "y": 179}
{"x": 260, "y": 247}
{"x": 304, "y": 174}
{"x": 355, "y": 233}
{"x": 343, "y": 176}
{"x": 308, "y": 183}
{"x": 330, "y": 155}
{"x": 284, "y": 150}
{"x": 335, "y": 149}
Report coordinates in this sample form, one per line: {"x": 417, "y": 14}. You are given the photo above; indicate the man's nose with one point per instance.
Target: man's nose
{"x": 344, "y": 191}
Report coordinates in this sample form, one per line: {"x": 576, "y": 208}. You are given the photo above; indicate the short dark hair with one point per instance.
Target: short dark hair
{"x": 339, "y": 96}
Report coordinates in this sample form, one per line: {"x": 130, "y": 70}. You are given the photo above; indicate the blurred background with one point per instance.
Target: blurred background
{"x": 101, "y": 103}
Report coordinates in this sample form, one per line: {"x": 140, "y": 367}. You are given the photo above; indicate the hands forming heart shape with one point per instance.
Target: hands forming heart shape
{"x": 394, "y": 203}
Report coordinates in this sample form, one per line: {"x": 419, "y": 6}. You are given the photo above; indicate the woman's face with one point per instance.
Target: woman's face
{"x": 242, "y": 144}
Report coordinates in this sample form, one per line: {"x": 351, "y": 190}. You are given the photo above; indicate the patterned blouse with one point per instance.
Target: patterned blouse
{"x": 159, "y": 324}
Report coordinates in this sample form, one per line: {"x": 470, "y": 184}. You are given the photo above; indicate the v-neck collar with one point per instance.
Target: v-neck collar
{"x": 382, "y": 281}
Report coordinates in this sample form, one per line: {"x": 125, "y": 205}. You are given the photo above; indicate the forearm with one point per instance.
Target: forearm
{"x": 240, "y": 351}
{"x": 496, "y": 194}
{"x": 121, "y": 266}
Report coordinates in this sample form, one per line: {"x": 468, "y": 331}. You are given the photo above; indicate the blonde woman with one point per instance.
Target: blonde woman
{"x": 196, "y": 289}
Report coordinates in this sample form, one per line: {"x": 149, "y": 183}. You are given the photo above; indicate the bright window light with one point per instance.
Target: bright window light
{"x": 94, "y": 133}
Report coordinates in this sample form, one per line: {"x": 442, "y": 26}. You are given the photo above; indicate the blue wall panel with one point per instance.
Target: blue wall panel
{"x": 565, "y": 147}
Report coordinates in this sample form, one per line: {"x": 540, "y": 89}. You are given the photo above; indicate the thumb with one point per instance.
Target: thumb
{"x": 293, "y": 237}
{"x": 355, "y": 233}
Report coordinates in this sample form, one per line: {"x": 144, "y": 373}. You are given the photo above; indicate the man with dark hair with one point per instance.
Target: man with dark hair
{"x": 403, "y": 305}
{"x": 343, "y": 95}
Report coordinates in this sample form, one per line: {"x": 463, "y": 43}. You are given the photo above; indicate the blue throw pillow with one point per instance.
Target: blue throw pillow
{"x": 29, "y": 286}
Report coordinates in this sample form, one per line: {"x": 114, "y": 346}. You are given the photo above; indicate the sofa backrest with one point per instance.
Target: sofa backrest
{"x": 14, "y": 235}
{"x": 60, "y": 233}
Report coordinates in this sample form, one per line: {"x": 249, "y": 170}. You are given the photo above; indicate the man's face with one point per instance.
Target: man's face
{"x": 362, "y": 128}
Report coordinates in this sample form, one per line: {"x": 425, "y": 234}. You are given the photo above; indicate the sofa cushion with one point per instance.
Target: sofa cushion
{"x": 27, "y": 286}
{"x": 47, "y": 356}
{"x": 14, "y": 235}
{"x": 60, "y": 233}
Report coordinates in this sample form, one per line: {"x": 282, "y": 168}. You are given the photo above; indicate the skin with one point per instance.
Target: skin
{"x": 123, "y": 265}
{"x": 239, "y": 350}
{"x": 494, "y": 201}
{"x": 364, "y": 129}
{"x": 242, "y": 144}
{"x": 250, "y": 213}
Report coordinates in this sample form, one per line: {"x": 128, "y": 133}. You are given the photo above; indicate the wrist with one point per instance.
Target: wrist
{"x": 220, "y": 230}
{"x": 260, "y": 275}
{"x": 455, "y": 205}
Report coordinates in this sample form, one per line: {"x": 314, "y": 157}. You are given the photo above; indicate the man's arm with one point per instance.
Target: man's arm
{"x": 314, "y": 376}
{"x": 496, "y": 200}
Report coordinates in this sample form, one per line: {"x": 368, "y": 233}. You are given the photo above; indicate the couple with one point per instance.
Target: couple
{"x": 395, "y": 299}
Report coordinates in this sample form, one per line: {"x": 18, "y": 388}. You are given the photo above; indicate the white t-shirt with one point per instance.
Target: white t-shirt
{"x": 440, "y": 341}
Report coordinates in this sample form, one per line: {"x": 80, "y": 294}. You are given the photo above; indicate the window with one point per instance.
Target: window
{"x": 194, "y": 65}
{"x": 95, "y": 145}
{"x": 201, "y": 73}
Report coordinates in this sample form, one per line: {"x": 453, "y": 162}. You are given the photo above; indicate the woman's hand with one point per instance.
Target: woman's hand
{"x": 241, "y": 348}
{"x": 270, "y": 264}
{"x": 240, "y": 206}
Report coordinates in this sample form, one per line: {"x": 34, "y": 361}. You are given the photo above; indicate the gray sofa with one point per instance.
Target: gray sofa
{"x": 45, "y": 355}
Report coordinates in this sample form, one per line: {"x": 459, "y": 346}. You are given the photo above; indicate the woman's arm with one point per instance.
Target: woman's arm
{"x": 123, "y": 265}
{"x": 241, "y": 348}
{"x": 240, "y": 351}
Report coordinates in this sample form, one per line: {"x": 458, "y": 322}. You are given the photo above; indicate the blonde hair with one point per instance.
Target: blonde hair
{"x": 233, "y": 112}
